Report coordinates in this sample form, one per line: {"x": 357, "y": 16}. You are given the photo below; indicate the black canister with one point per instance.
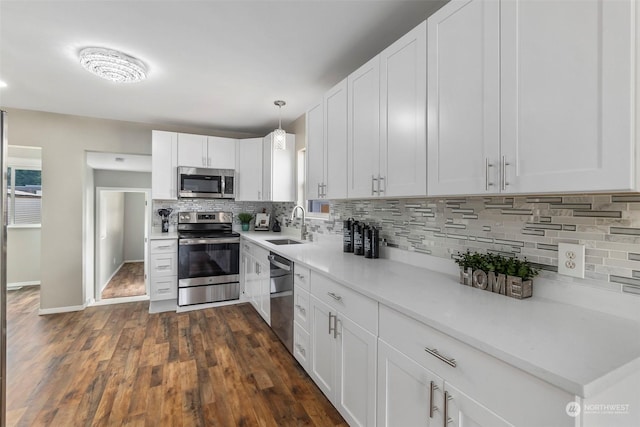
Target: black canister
{"x": 347, "y": 235}
{"x": 375, "y": 242}
{"x": 368, "y": 253}
{"x": 358, "y": 241}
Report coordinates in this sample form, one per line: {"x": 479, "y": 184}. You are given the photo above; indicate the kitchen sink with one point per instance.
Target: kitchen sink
{"x": 284, "y": 242}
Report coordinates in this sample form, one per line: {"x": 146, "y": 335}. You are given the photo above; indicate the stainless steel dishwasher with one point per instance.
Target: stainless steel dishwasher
{"x": 281, "y": 274}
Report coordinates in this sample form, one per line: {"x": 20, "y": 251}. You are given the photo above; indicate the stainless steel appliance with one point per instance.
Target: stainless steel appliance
{"x": 281, "y": 274}
{"x": 208, "y": 258}
{"x": 201, "y": 183}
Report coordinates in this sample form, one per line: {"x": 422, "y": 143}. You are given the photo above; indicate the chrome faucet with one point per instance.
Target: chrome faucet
{"x": 303, "y": 228}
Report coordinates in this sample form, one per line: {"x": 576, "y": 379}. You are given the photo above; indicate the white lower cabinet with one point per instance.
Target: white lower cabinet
{"x": 256, "y": 279}
{"x": 343, "y": 354}
{"x": 163, "y": 269}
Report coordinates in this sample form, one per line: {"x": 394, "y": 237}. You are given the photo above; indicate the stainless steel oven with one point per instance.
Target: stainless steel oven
{"x": 202, "y": 183}
{"x": 208, "y": 258}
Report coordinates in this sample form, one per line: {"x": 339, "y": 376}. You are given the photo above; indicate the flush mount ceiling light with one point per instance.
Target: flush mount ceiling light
{"x": 279, "y": 135}
{"x": 112, "y": 65}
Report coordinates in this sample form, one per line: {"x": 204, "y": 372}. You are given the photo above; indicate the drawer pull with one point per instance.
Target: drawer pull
{"x": 163, "y": 267}
{"x": 302, "y": 276}
{"x": 301, "y": 350}
{"x": 432, "y": 408}
{"x": 164, "y": 247}
{"x": 434, "y": 353}
{"x": 301, "y": 309}
{"x": 334, "y": 296}
{"x": 446, "y": 419}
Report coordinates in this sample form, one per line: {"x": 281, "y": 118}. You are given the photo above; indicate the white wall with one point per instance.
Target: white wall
{"x": 64, "y": 139}
{"x": 111, "y": 235}
{"x": 122, "y": 179}
{"x": 23, "y": 256}
{"x": 134, "y": 211}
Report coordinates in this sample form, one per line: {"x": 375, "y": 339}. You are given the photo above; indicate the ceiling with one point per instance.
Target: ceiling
{"x": 215, "y": 65}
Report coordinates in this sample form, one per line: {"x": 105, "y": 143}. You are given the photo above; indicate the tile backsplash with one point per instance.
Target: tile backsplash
{"x": 221, "y": 205}
{"x": 523, "y": 226}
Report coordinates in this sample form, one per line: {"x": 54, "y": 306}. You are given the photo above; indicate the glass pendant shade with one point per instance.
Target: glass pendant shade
{"x": 280, "y": 139}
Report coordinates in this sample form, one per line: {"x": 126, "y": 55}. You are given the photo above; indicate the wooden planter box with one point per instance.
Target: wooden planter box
{"x": 510, "y": 286}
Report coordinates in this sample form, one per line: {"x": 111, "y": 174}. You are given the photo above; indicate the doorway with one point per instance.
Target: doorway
{"x": 122, "y": 224}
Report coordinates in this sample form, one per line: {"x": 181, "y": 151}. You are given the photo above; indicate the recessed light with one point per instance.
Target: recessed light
{"x": 3, "y": 84}
{"x": 112, "y": 65}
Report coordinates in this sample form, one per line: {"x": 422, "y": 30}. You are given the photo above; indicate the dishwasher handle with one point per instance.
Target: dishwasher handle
{"x": 272, "y": 260}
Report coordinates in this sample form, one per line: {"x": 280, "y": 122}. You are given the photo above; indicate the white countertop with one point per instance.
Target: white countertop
{"x": 160, "y": 235}
{"x": 578, "y": 350}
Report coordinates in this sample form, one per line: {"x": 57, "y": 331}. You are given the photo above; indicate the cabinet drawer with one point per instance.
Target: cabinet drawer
{"x": 163, "y": 265}
{"x": 301, "y": 345}
{"x": 301, "y": 276}
{"x": 163, "y": 246}
{"x": 478, "y": 374}
{"x": 257, "y": 251}
{"x": 301, "y": 306}
{"x": 359, "y": 308}
{"x": 162, "y": 288}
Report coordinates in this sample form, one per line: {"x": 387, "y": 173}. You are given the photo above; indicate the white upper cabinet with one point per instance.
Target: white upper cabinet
{"x": 202, "y": 151}
{"x": 192, "y": 150}
{"x": 403, "y": 115}
{"x": 387, "y": 121}
{"x": 364, "y": 130}
{"x": 464, "y": 97}
{"x": 327, "y": 145}
{"x": 531, "y": 97}
{"x": 315, "y": 166}
{"x": 164, "y": 162}
{"x": 278, "y": 166}
{"x": 249, "y": 172}
{"x": 221, "y": 152}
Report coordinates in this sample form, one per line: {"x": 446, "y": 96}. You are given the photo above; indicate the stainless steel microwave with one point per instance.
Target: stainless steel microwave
{"x": 201, "y": 183}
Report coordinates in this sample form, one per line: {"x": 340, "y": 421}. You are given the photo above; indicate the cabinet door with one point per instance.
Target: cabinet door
{"x": 406, "y": 390}
{"x": 221, "y": 152}
{"x": 282, "y": 175}
{"x": 267, "y": 167}
{"x": 567, "y": 95}
{"x": 249, "y": 173}
{"x": 164, "y": 162}
{"x": 192, "y": 150}
{"x": 403, "y": 115}
{"x": 466, "y": 412}
{"x": 356, "y": 368}
{"x": 263, "y": 287}
{"x": 335, "y": 142}
{"x": 464, "y": 98}
{"x": 364, "y": 130}
{"x": 322, "y": 360}
{"x": 315, "y": 151}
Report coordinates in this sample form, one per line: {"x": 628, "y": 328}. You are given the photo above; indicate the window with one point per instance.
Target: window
{"x": 24, "y": 196}
{"x": 314, "y": 208}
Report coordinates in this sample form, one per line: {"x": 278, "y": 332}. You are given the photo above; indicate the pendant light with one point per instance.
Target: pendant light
{"x": 279, "y": 135}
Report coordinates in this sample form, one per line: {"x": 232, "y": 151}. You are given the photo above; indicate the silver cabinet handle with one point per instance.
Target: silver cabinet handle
{"x": 164, "y": 247}
{"x": 319, "y": 192}
{"x": 374, "y": 180}
{"x": 487, "y": 167}
{"x": 324, "y": 190}
{"x": 384, "y": 190}
{"x": 434, "y": 352}
{"x": 302, "y": 276}
{"x": 504, "y": 173}
{"x": 334, "y": 296}
{"x": 432, "y": 408}
{"x": 163, "y": 267}
{"x": 447, "y": 398}
{"x": 301, "y": 309}
{"x": 259, "y": 195}
{"x": 301, "y": 350}
{"x": 332, "y": 329}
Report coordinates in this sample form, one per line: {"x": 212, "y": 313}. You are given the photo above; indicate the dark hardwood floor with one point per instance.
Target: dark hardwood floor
{"x": 127, "y": 282}
{"x": 120, "y": 365}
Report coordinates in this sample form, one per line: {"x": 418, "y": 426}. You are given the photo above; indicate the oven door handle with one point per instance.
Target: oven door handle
{"x": 280, "y": 265}
{"x": 187, "y": 242}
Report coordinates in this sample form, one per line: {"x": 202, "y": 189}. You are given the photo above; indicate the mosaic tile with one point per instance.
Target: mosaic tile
{"x": 602, "y": 214}
{"x": 635, "y": 198}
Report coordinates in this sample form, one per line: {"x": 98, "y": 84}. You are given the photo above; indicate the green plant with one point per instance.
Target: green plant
{"x": 497, "y": 263}
{"x": 245, "y": 217}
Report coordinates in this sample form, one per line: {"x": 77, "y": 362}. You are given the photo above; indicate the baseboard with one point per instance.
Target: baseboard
{"x": 134, "y": 260}
{"x": 67, "y": 309}
{"x": 119, "y": 300}
{"x": 18, "y": 285}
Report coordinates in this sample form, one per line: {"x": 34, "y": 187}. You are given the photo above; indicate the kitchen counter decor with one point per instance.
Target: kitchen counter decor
{"x": 496, "y": 273}
{"x": 245, "y": 219}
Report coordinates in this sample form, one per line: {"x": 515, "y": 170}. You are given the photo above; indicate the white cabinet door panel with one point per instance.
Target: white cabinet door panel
{"x": 249, "y": 173}
{"x": 466, "y": 412}
{"x": 315, "y": 150}
{"x": 192, "y": 150}
{"x": 403, "y": 115}
{"x": 335, "y": 142}
{"x": 463, "y": 96}
{"x": 323, "y": 348}
{"x": 221, "y": 152}
{"x": 164, "y": 162}
{"x": 364, "y": 129}
{"x": 567, "y": 95}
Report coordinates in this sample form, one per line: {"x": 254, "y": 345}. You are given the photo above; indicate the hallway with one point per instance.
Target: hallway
{"x": 127, "y": 282}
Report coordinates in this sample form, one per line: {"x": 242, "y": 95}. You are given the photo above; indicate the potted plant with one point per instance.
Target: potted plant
{"x": 493, "y": 272}
{"x": 245, "y": 218}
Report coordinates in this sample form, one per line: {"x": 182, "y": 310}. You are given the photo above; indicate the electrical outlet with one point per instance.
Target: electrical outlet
{"x": 571, "y": 260}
